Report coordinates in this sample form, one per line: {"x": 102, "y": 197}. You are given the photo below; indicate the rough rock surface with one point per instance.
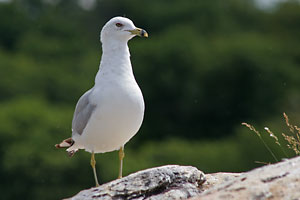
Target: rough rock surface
{"x": 167, "y": 182}
{"x": 272, "y": 182}
{"x": 217, "y": 179}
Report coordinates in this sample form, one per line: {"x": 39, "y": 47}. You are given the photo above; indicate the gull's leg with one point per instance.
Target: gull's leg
{"x": 121, "y": 156}
{"x": 93, "y": 164}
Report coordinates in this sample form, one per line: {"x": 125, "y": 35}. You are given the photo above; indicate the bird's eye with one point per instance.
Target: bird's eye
{"x": 119, "y": 25}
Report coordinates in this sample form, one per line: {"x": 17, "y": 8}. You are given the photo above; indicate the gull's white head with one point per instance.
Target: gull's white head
{"x": 121, "y": 29}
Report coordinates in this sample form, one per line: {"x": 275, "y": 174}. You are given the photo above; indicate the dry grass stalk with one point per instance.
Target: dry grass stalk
{"x": 288, "y": 123}
{"x": 293, "y": 144}
{"x": 252, "y": 128}
{"x": 258, "y": 134}
{"x": 293, "y": 140}
{"x": 264, "y": 163}
{"x": 272, "y": 135}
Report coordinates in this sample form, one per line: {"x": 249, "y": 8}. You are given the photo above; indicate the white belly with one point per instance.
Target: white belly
{"x": 117, "y": 118}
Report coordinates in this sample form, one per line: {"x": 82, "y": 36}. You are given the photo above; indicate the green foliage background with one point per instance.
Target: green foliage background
{"x": 206, "y": 67}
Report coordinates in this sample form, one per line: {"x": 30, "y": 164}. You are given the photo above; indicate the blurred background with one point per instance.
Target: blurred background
{"x": 207, "y": 67}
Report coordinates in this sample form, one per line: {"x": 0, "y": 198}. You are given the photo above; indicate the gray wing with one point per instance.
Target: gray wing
{"x": 82, "y": 114}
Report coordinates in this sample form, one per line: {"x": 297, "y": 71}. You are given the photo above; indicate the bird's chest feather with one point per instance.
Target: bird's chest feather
{"x": 118, "y": 101}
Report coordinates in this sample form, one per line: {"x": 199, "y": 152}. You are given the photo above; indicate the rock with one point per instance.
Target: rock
{"x": 277, "y": 181}
{"x": 166, "y": 182}
{"x": 217, "y": 179}
{"x": 271, "y": 182}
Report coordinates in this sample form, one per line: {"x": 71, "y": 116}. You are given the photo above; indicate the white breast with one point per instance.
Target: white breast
{"x": 117, "y": 118}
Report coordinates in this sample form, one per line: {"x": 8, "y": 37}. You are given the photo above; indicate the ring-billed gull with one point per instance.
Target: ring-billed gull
{"x": 111, "y": 112}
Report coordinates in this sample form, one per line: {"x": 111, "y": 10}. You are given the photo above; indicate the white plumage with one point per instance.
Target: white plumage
{"x": 110, "y": 114}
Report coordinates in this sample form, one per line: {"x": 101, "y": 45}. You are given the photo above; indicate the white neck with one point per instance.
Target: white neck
{"x": 115, "y": 60}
